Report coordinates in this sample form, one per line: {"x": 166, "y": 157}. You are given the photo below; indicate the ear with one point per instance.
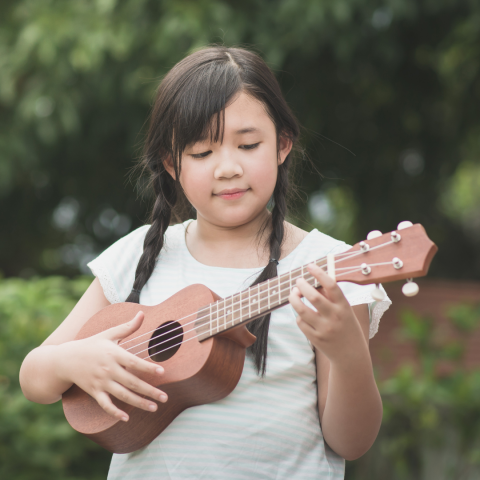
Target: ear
{"x": 168, "y": 164}
{"x": 285, "y": 145}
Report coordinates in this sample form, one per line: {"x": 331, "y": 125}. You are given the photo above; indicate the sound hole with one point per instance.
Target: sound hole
{"x": 165, "y": 341}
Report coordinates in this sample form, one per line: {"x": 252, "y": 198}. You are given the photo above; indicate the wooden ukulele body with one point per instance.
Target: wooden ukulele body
{"x": 196, "y": 374}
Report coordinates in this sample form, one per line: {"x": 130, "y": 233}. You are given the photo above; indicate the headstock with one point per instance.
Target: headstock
{"x": 405, "y": 253}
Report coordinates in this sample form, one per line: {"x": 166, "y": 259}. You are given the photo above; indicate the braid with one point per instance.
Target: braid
{"x": 260, "y": 326}
{"x": 166, "y": 197}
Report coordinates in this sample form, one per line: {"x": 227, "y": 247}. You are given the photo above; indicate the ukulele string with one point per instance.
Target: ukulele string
{"x": 346, "y": 255}
{"x": 196, "y": 336}
{"x": 224, "y": 323}
{"x": 206, "y": 316}
{"x": 238, "y": 303}
{"x": 196, "y": 320}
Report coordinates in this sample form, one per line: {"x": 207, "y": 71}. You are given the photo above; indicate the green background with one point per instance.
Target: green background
{"x": 388, "y": 93}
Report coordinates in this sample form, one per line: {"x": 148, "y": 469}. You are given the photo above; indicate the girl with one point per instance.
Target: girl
{"x": 222, "y": 135}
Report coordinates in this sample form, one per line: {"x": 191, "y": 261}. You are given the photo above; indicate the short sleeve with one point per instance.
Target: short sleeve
{"x": 361, "y": 294}
{"x": 115, "y": 267}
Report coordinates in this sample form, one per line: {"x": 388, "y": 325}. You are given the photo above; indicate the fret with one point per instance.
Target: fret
{"x": 220, "y": 314}
{"x": 279, "y": 291}
{"x": 211, "y": 318}
{"x": 256, "y": 298}
{"x": 283, "y": 289}
{"x": 246, "y": 304}
{"x": 268, "y": 293}
{"x": 236, "y": 309}
{"x": 227, "y": 312}
{"x": 239, "y": 309}
{"x": 262, "y": 297}
{"x": 231, "y": 315}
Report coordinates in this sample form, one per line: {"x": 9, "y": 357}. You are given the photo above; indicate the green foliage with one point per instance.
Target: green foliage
{"x": 431, "y": 419}
{"x": 461, "y": 199}
{"x": 431, "y": 423}
{"x": 36, "y": 442}
{"x": 395, "y": 82}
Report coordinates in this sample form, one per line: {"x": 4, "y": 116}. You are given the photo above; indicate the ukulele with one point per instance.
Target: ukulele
{"x": 200, "y": 338}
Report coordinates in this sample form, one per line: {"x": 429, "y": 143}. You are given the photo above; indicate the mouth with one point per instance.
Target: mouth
{"x": 232, "y": 193}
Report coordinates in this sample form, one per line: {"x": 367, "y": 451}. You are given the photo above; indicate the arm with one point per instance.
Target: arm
{"x": 96, "y": 364}
{"x": 349, "y": 405}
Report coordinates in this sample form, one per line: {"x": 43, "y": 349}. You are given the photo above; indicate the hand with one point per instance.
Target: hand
{"x": 333, "y": 328}
{"x": 101, "y": 368}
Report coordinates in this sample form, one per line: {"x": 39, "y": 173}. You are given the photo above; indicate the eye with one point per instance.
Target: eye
{"x": 249, "y": 147}
{"x": 201, "y": 155}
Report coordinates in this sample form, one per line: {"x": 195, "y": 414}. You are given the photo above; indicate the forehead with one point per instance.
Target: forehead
{"x": 246, "y": 114}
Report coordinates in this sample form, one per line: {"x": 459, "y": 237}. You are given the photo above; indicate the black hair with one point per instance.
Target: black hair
{"x": 189, "y": 107}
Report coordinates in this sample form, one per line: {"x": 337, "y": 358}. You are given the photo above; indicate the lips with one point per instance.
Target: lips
{"x": 231, "y": 193}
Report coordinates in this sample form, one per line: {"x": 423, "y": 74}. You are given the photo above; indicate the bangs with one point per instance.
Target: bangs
{"x": 200, "y": 102}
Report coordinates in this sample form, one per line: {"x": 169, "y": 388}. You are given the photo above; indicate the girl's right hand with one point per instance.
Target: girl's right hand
{"x": 101, "y": 368}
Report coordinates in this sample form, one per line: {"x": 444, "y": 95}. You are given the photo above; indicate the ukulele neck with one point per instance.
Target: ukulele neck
{"x": 251, "y": 303}
{"x": 384, "y": 258}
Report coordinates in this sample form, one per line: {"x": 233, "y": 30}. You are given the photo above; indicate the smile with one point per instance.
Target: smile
{"x": 232, "y": 193}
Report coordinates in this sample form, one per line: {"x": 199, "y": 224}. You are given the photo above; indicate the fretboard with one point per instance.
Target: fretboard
{"x": 251, "y": 303}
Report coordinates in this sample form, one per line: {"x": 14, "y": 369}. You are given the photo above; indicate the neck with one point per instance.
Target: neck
{"x": 238, "y": 246}
{"x": 215, "y": 232}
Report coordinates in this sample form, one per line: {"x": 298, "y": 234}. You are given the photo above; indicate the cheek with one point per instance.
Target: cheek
{"x": 196, "y": 181}
{"x": 263, "y": 173}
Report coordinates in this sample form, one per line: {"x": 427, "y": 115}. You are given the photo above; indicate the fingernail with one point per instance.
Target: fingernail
{"x": 152, "y": 407}
{"x": 163, "y": 398}
{"x": 124, "y": 418}
{"x": 159, "y": 370}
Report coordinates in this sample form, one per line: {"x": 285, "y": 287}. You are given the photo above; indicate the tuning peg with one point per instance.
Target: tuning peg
{"x": 374, "y": 234}
{"x": 410, "y": 289}
{"x": 377, "y": 294}
{"x": 404, "y": 224}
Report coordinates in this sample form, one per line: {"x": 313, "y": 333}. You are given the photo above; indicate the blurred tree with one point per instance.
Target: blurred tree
{"x": 396, "y": 83}
{"x": 36, "y": 442}
{"x": 431, "y": 410}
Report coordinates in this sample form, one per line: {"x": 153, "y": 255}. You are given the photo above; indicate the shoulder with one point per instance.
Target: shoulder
{"x": 115, "y": 267}
{"x": 135, "y": 239}
{"x": 292, "y": 239}
{"x": 297, "y": 238}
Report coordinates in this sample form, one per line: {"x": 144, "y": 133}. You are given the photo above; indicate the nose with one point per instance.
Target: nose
{"x": 228, "y": 167}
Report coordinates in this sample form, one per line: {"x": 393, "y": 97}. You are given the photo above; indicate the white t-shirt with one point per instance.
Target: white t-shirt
{"x": 267, "y": 428}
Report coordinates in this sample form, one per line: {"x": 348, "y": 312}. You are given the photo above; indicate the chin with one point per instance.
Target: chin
{"x": 236, "y": 219}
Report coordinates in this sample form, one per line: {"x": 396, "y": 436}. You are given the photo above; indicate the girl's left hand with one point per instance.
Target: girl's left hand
{"x": 333, "y": 328}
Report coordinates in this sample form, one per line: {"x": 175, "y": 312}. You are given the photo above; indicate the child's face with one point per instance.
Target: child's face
{"x": 230, "y": 183}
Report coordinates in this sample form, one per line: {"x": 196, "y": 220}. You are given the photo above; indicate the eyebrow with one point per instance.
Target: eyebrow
{"x": 247, "y": 130}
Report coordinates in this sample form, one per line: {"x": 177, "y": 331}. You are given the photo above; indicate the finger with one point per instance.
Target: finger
{"x": 121, "y": 331}
{"x": 319, "y": 301}
{"x": 127, "y": 396}
{"x": 132, "y": 382}
{"x": 104, "y": 400}
{"x": 306, "y": 328}
{"x": 132, "y": 362}
{"x": 305, "y": 312}
{"x": 330, "y": 287}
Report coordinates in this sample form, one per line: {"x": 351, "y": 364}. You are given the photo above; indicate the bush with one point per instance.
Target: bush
{"x": 36, "y": 442}
{"x": 430, "y": 431}
{"x": 431, "y": 422}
